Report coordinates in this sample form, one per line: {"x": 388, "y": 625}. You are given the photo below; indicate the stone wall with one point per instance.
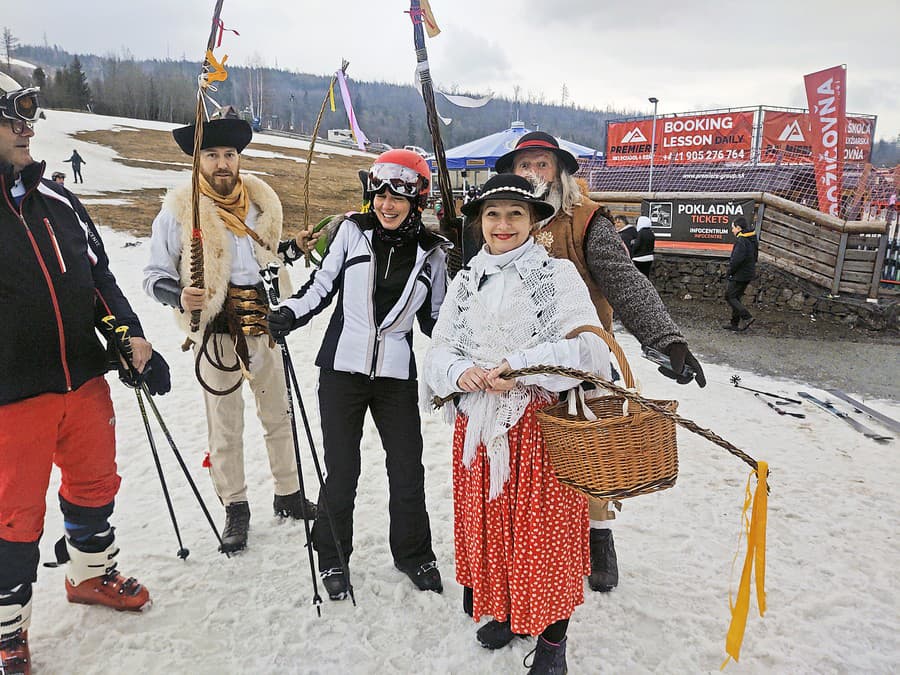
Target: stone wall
{"x": 701, "y": 278}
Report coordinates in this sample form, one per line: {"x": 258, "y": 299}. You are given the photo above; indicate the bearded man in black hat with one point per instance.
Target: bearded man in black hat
{"x": 581, "y": 231}
{"x": 241, "y": 223}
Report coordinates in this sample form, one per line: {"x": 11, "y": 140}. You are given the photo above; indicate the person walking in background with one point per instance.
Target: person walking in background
{"x": 627, "y": 232}
{"x": 76, "y": 160}
{"x": 741, "y": 270}
{"x": 644, "y": 243}
{"x": 386, "y": 269}
{"x": 55, "y": 405}
{"x": 241, "y": 223}
{"x": 521, "y": 538}
{"x": 581, "y": 231}
{"x": 58, "y": 177}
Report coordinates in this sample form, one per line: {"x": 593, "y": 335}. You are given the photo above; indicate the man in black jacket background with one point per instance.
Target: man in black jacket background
{"x": 55, "y": 406}
{"x": 741, "y": 270}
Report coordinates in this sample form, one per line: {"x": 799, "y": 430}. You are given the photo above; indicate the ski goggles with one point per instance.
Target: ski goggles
{"x": 399, "y": 179}
{"x": 20, "y": 105}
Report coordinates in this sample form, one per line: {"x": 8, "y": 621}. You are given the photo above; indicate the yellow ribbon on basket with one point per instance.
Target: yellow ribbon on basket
{"x": 755, "y": 528}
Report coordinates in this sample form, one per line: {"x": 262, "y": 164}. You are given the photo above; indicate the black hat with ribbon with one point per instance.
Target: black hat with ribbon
{"x": 509, "y": 186}
{"x": 225, "y": 129}
{"x": 537, "y": 140}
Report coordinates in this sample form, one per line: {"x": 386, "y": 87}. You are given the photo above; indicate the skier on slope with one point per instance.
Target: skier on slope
{"x": 55, "y": 406}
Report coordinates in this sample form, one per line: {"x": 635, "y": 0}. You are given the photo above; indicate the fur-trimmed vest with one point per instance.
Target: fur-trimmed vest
{"x": 217, "y": 247}
{"x": 563, "y": 237}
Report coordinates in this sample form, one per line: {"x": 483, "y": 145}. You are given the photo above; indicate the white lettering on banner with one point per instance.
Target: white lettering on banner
{"x": 826, "y": 106}
{"x": 700, "y": 124}
{"x": 682, "y": 141}
{"x": 857, "y": 128}
{"x": 729, "y": 208}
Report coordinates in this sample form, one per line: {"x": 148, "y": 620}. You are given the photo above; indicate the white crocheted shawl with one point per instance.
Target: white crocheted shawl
{"x": 550, "y": 303}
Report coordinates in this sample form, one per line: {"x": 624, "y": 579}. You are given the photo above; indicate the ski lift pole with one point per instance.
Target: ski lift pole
{"x": 309, "y": 156}
{"x": 197, "y": 280}
{"x": 450, "y": 224}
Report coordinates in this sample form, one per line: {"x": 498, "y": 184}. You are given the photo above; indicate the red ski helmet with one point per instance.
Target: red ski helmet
{"x": 404, "y": 172}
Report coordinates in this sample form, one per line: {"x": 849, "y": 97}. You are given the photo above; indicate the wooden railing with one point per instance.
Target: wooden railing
{"x": 839, "y": 255}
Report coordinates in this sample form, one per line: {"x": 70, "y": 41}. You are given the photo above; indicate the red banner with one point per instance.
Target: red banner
{"x": 785, "y": 138}
{"x": 691, "y": 139}
{"x": 826, "y": 97}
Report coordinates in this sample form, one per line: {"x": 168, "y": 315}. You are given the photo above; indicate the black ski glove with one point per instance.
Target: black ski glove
{"x": 281, "y": 322}
{"x": 679, "y": 355}
{"x": 156, "y": 375}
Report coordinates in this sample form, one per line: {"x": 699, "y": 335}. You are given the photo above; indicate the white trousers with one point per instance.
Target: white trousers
{"x": 225, "y": 418}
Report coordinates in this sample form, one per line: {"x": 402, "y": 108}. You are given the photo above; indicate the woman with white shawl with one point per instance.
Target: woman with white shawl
{"x": 521, "y": 537}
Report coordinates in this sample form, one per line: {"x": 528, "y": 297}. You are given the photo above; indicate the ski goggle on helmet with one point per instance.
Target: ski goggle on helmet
{"x": 17, "y": 103}
{"x": 403, "y": 172}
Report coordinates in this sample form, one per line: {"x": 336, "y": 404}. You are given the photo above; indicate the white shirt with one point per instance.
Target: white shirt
{"x": 166, "y": 246}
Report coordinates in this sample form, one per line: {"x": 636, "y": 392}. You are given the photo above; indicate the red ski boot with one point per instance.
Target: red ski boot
{"x": 92, "y": 577}
{"x": 112, "y": 590}
{"x": 14, "y": 656}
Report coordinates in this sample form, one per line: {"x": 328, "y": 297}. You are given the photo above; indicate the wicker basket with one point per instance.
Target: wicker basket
{"x": 615, "y": 456}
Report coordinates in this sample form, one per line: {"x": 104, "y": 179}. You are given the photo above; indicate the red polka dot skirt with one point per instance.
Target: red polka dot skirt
{"x": 524, "y": 554}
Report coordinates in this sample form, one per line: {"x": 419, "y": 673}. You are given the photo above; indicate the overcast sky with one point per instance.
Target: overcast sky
{"x": 689, "y": 55}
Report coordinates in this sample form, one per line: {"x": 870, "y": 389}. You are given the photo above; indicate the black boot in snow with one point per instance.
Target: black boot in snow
{"x": 496, "y": 634}
{"x": 335, "y": 582}
{"x": 604, "y": 567}
{"x": 237, "y": 523}
{"x": 549, "y": 659}
{"x": 294, "y": 506}
{"x": 426, "y": 577}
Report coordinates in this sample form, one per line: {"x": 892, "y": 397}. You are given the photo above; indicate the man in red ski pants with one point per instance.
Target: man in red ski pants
{"x": 55, "y": 406}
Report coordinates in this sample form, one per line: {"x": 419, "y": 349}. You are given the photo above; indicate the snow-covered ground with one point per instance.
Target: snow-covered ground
{"x": 833, "y": 551}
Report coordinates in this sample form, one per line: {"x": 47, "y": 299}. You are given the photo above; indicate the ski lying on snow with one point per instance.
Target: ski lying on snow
{"x": 840, "y": 414}
{"x": 889, "y": 422}
{"x": 780, "y": 411}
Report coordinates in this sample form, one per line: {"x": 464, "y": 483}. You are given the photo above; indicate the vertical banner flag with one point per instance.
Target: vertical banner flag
{"x": 358, "y": 134}
{"x": 431, "y": 26}
{"x": 826, "y": 96}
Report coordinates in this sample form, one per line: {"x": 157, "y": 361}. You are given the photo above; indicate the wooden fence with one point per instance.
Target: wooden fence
{"x": 839, "y": 255}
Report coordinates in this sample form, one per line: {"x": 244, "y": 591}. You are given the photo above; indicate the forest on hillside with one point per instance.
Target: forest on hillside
{"x": 165, "y": 90}
{"x": 389, "y": 113}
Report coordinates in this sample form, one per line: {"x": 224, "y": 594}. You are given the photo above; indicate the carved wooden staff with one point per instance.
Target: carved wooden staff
{"x": 196, "y": 235}
{"x": 450, "y": 225}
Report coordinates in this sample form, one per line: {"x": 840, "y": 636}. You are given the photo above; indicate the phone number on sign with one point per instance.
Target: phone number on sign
{"x": 705, "y": 155}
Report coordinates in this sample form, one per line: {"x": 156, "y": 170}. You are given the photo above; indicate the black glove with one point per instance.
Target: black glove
{"x": 281, "y": 322}
{"x": 679, "y": 355}
{"x": 156, "y": 375}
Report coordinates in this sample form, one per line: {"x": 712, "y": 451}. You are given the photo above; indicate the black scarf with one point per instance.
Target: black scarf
{"x": 408, "y": 231}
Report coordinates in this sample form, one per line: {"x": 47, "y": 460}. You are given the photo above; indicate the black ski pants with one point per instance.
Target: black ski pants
{"x": 344, "y": 399}
{"x": 733, "y": 295}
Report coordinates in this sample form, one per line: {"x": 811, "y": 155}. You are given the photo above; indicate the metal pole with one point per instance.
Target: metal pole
{"x": 655, "y": 102}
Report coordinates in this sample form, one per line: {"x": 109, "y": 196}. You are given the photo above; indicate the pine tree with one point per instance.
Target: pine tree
{"x": 10, "y": 42}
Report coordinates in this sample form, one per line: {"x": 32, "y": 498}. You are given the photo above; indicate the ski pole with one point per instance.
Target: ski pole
{"x": 119, "y": 338}
{"x": 736, "y": 381}
{"x": 183, "y": 553}
{"x": 184, "y": 469}
{"x": 269, "y": 276}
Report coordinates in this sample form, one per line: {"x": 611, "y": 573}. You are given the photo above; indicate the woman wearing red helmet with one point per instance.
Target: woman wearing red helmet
{"x": 385, "y": 268}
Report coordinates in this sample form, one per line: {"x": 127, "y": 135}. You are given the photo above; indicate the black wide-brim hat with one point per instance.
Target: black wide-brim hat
{"x": 537, "y": 140}
{"x": 220, "y": 133}
{"x": 511, "y": 187}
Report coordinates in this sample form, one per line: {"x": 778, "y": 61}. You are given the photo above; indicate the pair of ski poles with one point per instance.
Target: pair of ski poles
{"x": 117, "y": 335}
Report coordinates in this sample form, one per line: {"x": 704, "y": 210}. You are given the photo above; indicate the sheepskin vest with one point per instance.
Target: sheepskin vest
{"x": 217, "y": 245}
{"x": 563, "y": 237}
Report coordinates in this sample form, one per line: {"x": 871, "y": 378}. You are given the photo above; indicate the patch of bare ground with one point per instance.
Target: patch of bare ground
{"x": 333, "y": 184}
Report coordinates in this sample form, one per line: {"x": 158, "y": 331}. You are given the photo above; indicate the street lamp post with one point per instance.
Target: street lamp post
{"x": 655, "y": 102}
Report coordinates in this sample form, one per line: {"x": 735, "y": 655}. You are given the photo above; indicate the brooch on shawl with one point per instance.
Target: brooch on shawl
{"x": 545, "y": 239}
